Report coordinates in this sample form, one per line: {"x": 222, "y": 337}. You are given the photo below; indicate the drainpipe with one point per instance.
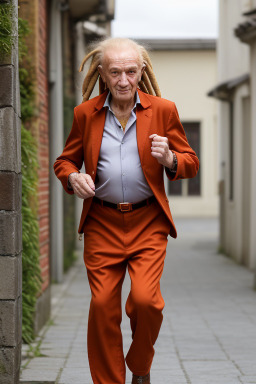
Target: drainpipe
{"x": 56, "y": 140}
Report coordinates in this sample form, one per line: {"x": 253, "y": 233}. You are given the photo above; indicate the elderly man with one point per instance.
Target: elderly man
{"x": 126, "y": 138}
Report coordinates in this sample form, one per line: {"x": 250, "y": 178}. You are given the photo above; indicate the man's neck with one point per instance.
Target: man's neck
{"x": 122, "y": 107}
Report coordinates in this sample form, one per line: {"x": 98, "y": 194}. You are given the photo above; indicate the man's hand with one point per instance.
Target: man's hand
{"x": 160, "y": 150}
{"x": 82, "y": 185}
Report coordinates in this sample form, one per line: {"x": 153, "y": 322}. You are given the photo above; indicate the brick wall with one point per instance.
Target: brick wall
{"x": 36, "y": 14}
{"x": 43, "y": 143}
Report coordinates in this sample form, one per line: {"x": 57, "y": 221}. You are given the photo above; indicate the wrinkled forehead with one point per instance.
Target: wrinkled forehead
{"x": 121, "y": 57}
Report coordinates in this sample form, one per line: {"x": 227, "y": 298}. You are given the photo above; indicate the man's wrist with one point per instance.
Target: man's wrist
{"x": 69, "y": 183}
{"x": 174, "y": 163}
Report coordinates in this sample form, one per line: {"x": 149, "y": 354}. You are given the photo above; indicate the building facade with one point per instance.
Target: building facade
{"x": 53, "y": 46}
{"x": 36, "y": 14}
{"x": 236, "y": 92}
{"x": 185, "y": 69}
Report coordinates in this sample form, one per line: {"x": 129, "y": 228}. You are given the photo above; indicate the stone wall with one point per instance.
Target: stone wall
{"x": 10, "y": 217}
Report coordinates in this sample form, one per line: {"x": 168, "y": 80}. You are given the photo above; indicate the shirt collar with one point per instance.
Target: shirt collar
{"x": 107, "y": 101}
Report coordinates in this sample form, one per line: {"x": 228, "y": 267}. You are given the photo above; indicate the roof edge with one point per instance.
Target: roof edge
{"x": 246, "y": 31}
{"x": 178, "y": 44}
{"x": 223, "y": 90}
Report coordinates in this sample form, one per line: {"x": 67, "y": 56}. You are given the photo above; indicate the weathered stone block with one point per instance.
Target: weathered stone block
{"x": 19, "y": 273}
{"x": 19, "y": 319}
{"x": 11, "y": 186}
{"x": 10, "y": 277}
{"x": 10, "y": 140}
{"x": 10, "y": 233}
{"x": 10, "y": 319}
{"x": 9, "y": 85}
{"x": 10, "y": 58}
{"x": 9, "y": 364}
{"x": 7, "y": 76}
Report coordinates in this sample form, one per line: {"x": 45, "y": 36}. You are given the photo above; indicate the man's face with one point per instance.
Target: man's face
{"x": 121, "y": 71}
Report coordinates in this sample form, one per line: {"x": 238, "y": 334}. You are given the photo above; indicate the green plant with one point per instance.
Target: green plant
{"x": 31, "y": 273}
{"x": 7, "y": 31}
{"x": 25, "y": 74}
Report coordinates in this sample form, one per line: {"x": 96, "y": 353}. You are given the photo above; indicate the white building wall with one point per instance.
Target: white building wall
{"x": 233, "y": 57}
{"x": 252, "y": 250}
{"x": 234, "y": 208}
{"x": 185, "y": 77}
{"x": 233, "y": 61}
{"x": 238, "y": 215}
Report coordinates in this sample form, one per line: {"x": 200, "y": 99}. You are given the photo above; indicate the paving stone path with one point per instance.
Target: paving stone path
{"x": 208, "y": 335}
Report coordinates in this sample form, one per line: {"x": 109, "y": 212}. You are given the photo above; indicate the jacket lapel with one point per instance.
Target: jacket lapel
{"x": 97, "y": 124}
{"x": 144, "y": 117}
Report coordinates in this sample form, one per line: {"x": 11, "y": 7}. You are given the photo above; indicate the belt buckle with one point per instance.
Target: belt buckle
{"x": 124, "y": 207}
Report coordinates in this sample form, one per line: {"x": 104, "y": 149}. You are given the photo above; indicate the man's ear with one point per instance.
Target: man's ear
{"x": 101, "y": 72}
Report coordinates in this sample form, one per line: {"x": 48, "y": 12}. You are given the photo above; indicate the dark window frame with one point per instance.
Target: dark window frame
{"x": 231, "y": 150}
{"x": 194, "y": 185}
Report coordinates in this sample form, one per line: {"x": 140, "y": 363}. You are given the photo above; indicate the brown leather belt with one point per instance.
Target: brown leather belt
{"x": 125, "y": 207}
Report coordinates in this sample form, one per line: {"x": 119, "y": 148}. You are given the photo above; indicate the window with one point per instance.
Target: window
{"x": 188, "y": 187}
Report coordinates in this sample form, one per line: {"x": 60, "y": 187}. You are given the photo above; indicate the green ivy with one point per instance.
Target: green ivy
{"x": 31, "y": 273}
{"x": 7, "y": 33}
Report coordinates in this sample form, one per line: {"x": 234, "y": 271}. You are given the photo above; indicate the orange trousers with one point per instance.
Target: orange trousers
{"x": 113, "y": 243}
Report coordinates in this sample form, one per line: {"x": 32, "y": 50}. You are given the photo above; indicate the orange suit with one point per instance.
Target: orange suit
{"x": 116, "y": 241}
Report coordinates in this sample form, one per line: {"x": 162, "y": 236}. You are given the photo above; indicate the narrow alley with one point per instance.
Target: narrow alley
{"x": 208, "y": 335}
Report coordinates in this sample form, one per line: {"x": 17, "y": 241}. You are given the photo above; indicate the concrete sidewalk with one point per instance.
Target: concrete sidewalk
{"x": 208, "y": 334}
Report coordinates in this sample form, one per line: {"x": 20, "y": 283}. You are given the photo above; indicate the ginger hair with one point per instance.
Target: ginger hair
{"x": 147, "y": 84}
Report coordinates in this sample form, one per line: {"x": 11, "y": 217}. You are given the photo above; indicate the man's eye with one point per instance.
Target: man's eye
{"x": 131, "y": 72}
{"x": 114, "y": 72}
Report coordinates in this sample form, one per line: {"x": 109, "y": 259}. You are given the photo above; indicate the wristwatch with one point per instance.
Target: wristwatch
{"x": 175, "y": 163}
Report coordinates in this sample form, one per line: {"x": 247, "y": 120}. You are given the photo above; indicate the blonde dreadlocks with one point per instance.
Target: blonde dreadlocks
{"x": 148, "y": 83}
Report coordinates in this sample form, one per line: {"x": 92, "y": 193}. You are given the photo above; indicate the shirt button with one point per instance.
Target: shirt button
{"x": 123, "y": 173}
{"x": 122, "y": 142}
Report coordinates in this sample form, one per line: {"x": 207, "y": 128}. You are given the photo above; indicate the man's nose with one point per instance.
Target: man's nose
{"x": 123, "y": 79}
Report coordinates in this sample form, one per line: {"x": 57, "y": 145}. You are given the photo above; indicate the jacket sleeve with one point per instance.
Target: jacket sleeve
{"x": 72, "y": 157}
{"x": 187, "y": 161}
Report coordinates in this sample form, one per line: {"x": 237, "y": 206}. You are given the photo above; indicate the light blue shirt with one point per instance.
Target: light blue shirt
{"x": 119, "y": 174}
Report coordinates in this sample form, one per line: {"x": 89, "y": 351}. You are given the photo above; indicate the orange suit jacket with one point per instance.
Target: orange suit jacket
{"x": 154, "y": 115}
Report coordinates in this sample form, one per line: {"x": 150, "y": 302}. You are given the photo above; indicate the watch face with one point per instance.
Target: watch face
{"x": 175, "y": 162}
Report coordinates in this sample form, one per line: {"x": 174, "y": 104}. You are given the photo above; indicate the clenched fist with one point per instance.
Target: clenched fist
{"x": 82, "y": 185}
{"x": 160, "y": 150}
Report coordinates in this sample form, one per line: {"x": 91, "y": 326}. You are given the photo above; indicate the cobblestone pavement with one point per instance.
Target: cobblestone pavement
{"x": 208, "y": 334}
